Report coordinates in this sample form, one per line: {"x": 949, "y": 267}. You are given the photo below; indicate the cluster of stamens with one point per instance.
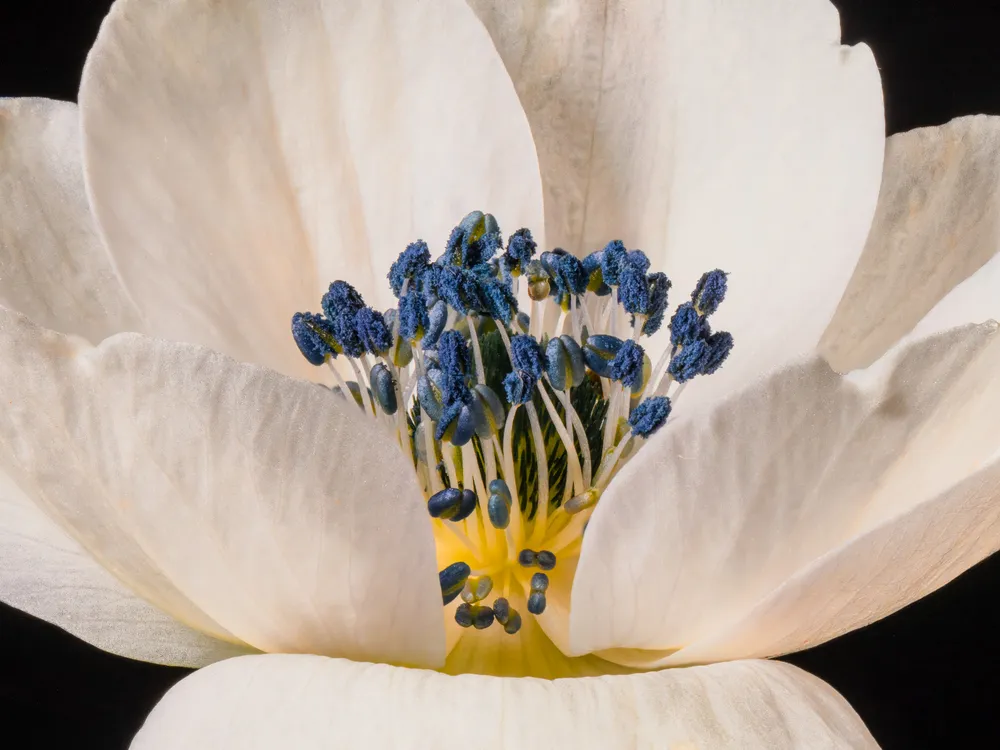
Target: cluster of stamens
{"x": 513, "y": 480}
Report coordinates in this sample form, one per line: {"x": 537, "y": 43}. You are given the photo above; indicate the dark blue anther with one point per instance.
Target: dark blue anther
{"x": 513, "y": 623}
{"x": 527, "y": 355}
{"x": 410, "y": 264}
{"x": 546, "y": 560}
{"x": 501, "y": 610}
{"x": 413, "y": 318}
{"x": 463, "y": 615}
{"x": 467, "y": 507}
{"x": 719, "y": 346}
{"x": 341, "y": 304}
{"x": 488, "y": 411}
{"x": 536, "y": 603}
{"x": 577, "y": 368}
{"x": 521, "y": 249}
{"x": 445, "y": 503}
{"x": 455, "y": 363}
{"x": 633, "y": 290}
{"x": 710, "y": 291}
{"x": 637, "y": 259}
{"x": 649, "y": 416}
{"x": 659, "y": 287}
{"x": 612, "y": 259}
{"x": 627, "y": 366}
{"x": 457, "y": 424}
{"x": 482, "y": 617}
{"x": 559, "y": 368}
{"x": 429, "y": 393}
{"x": 456, "y": 286}
{"x": 498, "y": 508}
{"x": 567, "y": 271}
{"x": 453, "y": 580}
{"x": 689, "y": 361}
{"x": 375, "y": 335}
{"x": 686, "y": 326}
{"x": 599, "y": 351}
{"x": 437, "y": 319}
{"x": 475, "y": 240}
{"x": 519, "y": 387}
{"x": 499, "y": 487}
{"x": 314, "y": 337}
{"x": 539, "y": 582}
{"x": 384, "y": 388}
{"x": 497, "y": 298}
{"x": 526, "y": 558}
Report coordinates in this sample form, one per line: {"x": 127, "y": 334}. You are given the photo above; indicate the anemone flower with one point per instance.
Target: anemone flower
{"x": 320, "y": 315}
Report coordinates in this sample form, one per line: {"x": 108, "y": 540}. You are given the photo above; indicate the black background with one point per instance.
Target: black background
{"x": 926, "y": 677}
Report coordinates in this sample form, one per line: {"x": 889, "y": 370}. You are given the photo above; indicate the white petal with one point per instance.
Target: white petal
{"x": 720, "y": 508}
{"x": 868, "y": 577}
{"x": 242, "y": 155}
{"x": 271, "y": 505}
{"x": 738, "y": 135}
{"x": 53, "y": 266}
{"x": 46, "y": 573}
{"x": 937, "y": 222}
{"x": 310, "y": 702}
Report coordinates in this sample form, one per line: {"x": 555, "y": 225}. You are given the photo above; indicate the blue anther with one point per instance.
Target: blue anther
{"x": 710, "y": 291}
{"x": 577, "y": 367}
{"x": 413, "y": 318}
{"x": 719, "y": 346}
{"x": 410, "y": 264}
{"x": 524, "y": 321}
{"x": 526, "y": 558}
{"x": 374, "y": 333}
{"x": 501, "y": 610}
{"x": 455, "y": 363}
{"x": 463, "y": 615}
{"x": 453, "y": 580}
{"x": 498, "y": 508}
{"x": 659, "y": 287}
{"x": 341, "y": 304}
{"x": 599, "y": 351}
{"x": 491, "y": 411}
{"x": 499, "y": 487}
{"x": 437, "y": 319}
{"x": 475, "y": 240}
{"x": 527, "y": 355}
{"x": 567, "y": 271}
{"x": 613, "y": 257}
{"x": 546, "y": 560}
{"x": 627, "y": 366}
{"x": 457, "y": 424}
{"x": 384, "y": 388}
{"x": 539, "y": 582}
{"x": 429, "y": 394}
{"x": 467, "y": 507}
{"x": 519, "y": 387}
{"x": 445, "y": 503}
{"x": 633, "y": 290}
{"x": 521, "y": 249}
{"x": 497, "y": 298}
{"x": 513, "y": 623}
{"x": 314, "y": 337}
{"x": 689, "y": 361}
{"x": 687, "y": 326}
{"x": 559, "y": 369}
{"x": 637, "y": 259}
{"x": 649, "y": 416}
{"x": 536, "y": 603}
{"x": 482, "y": 617}
{"x": 456, "y": 286}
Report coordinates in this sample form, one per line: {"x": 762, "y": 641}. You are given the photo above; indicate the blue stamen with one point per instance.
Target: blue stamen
{"x": 374, "y": 334}
{"x": 519, "y": 387}
{"x": 627, "y": 366}
{"x": 536, "y": 603}
{"x": 467, "y": 507}
{"x": 430, "y": 394}
{"x": 475, "y": 240}
{"x": 341, "y": 304}
{"x": 521, "y": 249}
{"x": 501, "y": 610}
{"x": 455, "y": 363}
{"x": 482, "y": 617}
{"x": 599, "y": 351}
{"x": 612, "y": 259}
{"x": 719, "y": 346}
{"x": 384, "y": 388}
{"x": 463, "y": 615}
{"x": 689, "y": 361}
{"x": 527, "y": 355}
{"x": 437, "y": 319}
{"x": 568, "y": 274}
{"x": 445, "y": 504}
{"x": 314, "y": 337}
{"x": 456, "y": 286}
{"x": 649, "y": 416}
{"x": 513, "y": 623}
{"x": 565, "y": 362}
{"x": 498, "y": 300}
{"x": 539, "y": 582}
{"x": 498, "y": 508}
{"x": 546, "y": 560}
{"x": 633, "y": 290}
{"x": 414, "y": 322}
{"x": 687, "y": 326}
{"x": 526, "y": 558}
{"x": 710, "y": 291}
{"x": 410, "y": 264}
{"x": 659, "y": 286}
{"x": 499, "y": 487}
{"x": 453, "y": 580}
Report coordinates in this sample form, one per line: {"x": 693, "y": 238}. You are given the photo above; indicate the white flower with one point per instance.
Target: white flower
{"x": 231, "y": 158}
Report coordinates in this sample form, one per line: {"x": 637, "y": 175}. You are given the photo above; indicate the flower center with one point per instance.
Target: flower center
{"x": 514, "y": 427}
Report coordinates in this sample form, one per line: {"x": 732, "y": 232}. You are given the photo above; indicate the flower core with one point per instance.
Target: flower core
{"x": 514, "y": 425}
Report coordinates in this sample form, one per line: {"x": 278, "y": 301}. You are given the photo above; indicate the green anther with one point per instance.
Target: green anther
{"x": 476, "y": 589}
